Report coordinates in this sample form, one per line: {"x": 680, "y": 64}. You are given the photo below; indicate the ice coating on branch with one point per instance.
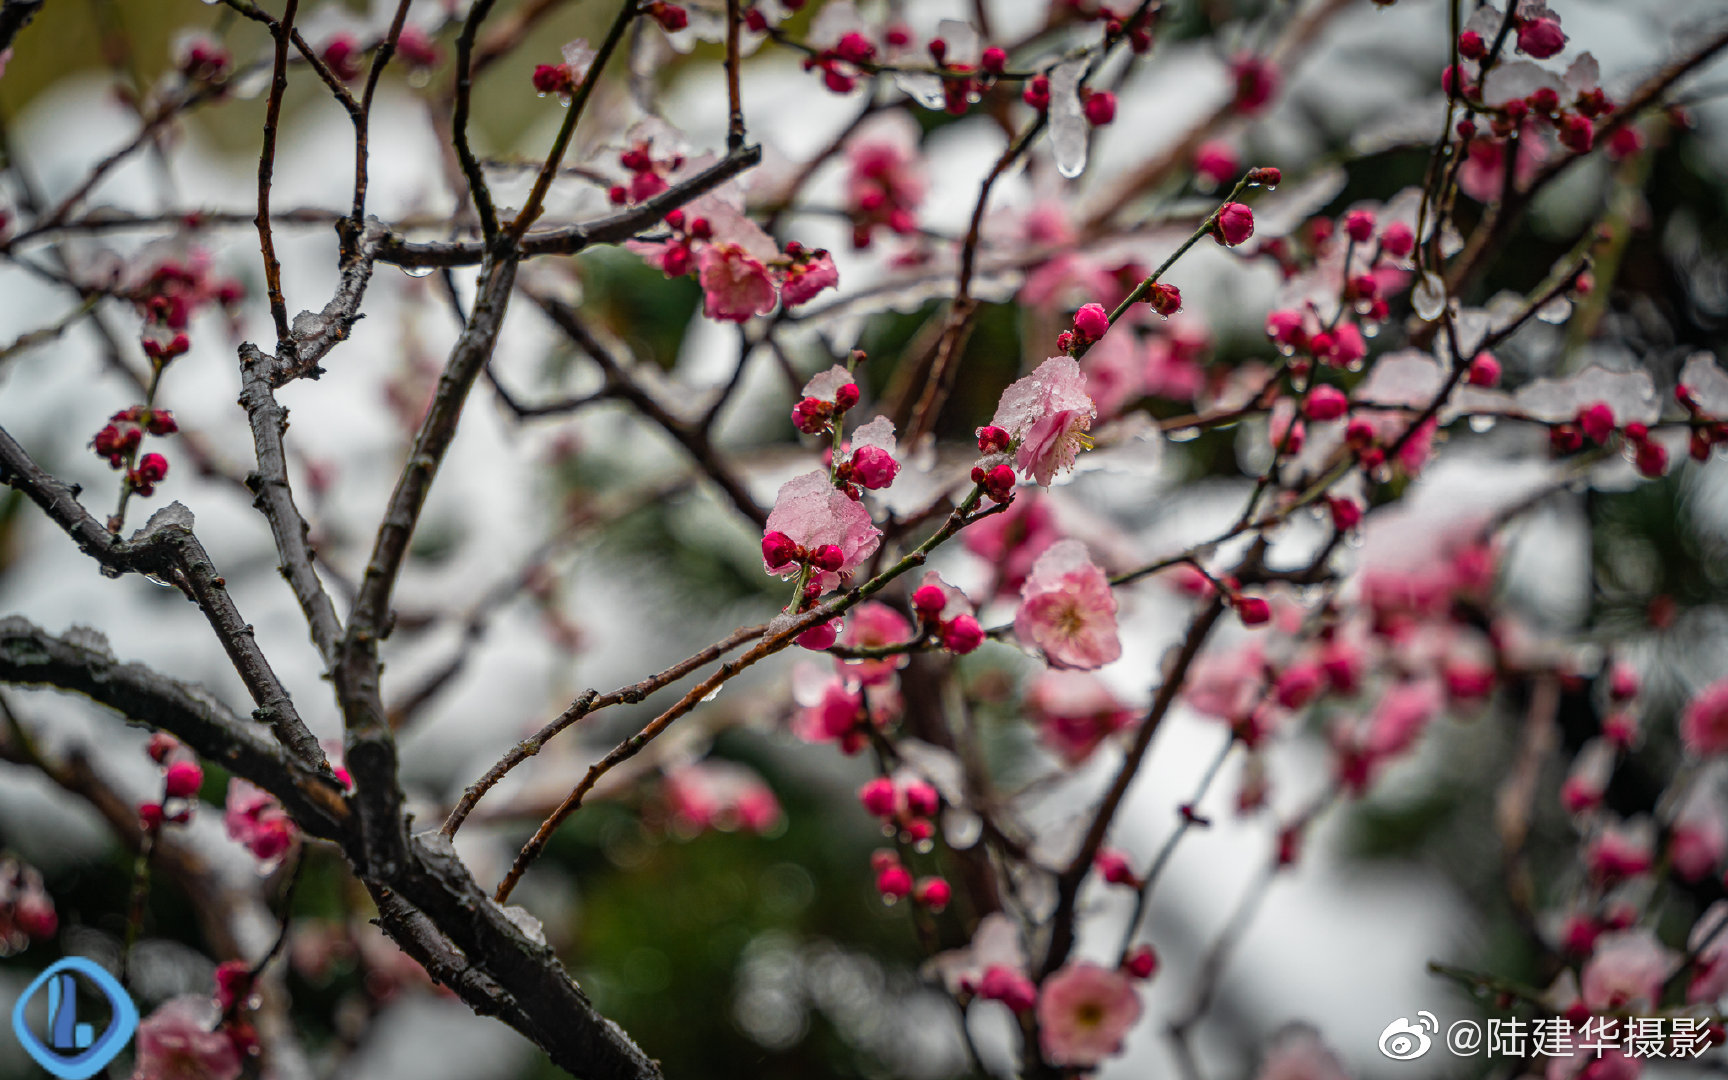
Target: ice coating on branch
{"x": 814, "y": 513}
{"x": 1068, "y": 127}
{"x": 520, "y": 917}
{"x": 1067, "y": 609}
{"x": 1048, "y": 414}
{"x": 1707, "y": 382}
{"x": 1631, "y": 394}
{"x": 1408, "y": 377}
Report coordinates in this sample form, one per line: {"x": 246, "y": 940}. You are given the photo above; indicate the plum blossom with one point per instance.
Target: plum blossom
{"x": 1704, "y": 727}
{"x": 176, "y": 1042}
{"x": 1084, "y": 1013}
{"x": 874, "y": 624}
{"x": 1075, "y": 712}
{"x": 1068, "y": 610}
{"x": 1699, "y": 836}
{"x": 1626, "y": 972}
{"x": 813, "y": 514}
{"x": 735, "y": 286}
{"x": 257, "y": 820}
{"x": 1297, "y": 1053}
{"x": 1709, "y": 943}
{"x": 721, "y": 795}
{"x": 885, "y": 183}
{"x": 1047, "y": 414}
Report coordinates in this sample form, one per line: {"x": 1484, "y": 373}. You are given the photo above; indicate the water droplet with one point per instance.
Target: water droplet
{"x": 1370, "y": 329}
{"x": 1271, "y": 187}
{"x": 1481, "y": 424}
{"x": 155, "y": 579}
{"x": 924, "y": 847}
{"x": 1286, "y": 350}
{"x": 417, "y": 271}
{"x": 1354, "y": 539}
{"x": 1184, "y": 434}
{"x": 714, "y": 693}
{"x": 1429, "y": 297}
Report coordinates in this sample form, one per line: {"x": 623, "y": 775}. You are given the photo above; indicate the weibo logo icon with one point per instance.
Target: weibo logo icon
{"x": 66, "y": 1048}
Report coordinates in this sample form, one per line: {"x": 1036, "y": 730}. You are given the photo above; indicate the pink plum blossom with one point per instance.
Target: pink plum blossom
{"x": 1709, "y": 942}
{"x": 806, "y": 277}
{"x": 721, "y": 795}
{"x": 1084, "y": 1013}
{"x": 1075, "y": 712}
{"x": 735, "y": 286}
{"x": 1621, "y": 850}
{"x": 813, "y": 513}
{"x": 873, "y": 624}
{"x": 1626, "y": 972}
{"x": 1698, "y": 838}
{"x": 1012, "y": 540}
{"x": 1704, "y": 727}
{"x": 257, "y": 820}
{"x": 177, "y": 1042}
{"x": 1296, "y": 1053}
{"x": 1068, "y": 610}
{"x": 1047, "y": 414}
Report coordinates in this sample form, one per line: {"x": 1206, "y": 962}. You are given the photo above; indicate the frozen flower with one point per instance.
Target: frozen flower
{"x": 1704, "y": 727}
{"x": 176, "y": 1042}
{"x": 1626, "y": 972}
{"x": 1068, "y": 610}
{"x": 1541, "y": 38}
{"x": 1084, "y": 1013}
{"x": 808, "y": 274}
{"x": 257, "y": 820}
{"x": 1075, "y": 712}
{"x": 811, "y": 513}
{"x": 1048, "y": 414}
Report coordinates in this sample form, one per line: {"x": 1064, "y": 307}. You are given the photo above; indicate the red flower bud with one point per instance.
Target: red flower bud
{"x": 1252, "y": 610}
{"x": 1099, "y": 107}
{"x": 828, "y": 557}
{"x": 928, "y": 601}
{"x": 1325, "y": 403}
{"x": 1166, "y": 300}
{"x": 1142, "y": 963}
{"x": 992, "y": 440}
{"x": 962, "y": 634}
{"x": 183, "y": 780}
{"x": 1235, "y": 224}
{"x": 845, "y": 397}
{"x": 994, "y": 60}
{"x": 1484, "y": 370}
{"x": 933, "y": 893}
{"x": 879, "y": 797}
{"x": 778, "y": 549}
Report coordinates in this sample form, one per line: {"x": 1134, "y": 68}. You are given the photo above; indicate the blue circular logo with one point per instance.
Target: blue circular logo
{"x": 70, "y": 1050}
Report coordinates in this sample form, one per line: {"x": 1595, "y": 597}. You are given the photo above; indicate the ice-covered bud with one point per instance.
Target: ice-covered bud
{"x": 1091, "y": 322}
{"x": 1252, "y": 610}
{"x": 1141, "y": 963}
{"x": 879, "y": 797}
{"x": 1651, "y": 458}
{"x": 1543, "y": 100}
{"x": 992, "y": 439}
{"x": 1013, "y": 989}
{"x": 1346, "y": 512}
{"x": 778, "y": 549}
{"x": 1398, "y": 240}
{"x": 1471, "y": 46}
{"x": 828, "y": 557}
{"x": 1037, "y": 93}
{"x": 1256, "y": 83}
{"x": 183, "y": 780}
{"x": 928, "y": 601}
{"x": 811, "y": 415}
{"x": 933, "y": 893}
{"x": 1540, "y": 38}
{"x": 1484, "y": 370}
{"x": 1576, "y": 133}
{"x": 962, "y": 634}
{"x": 994, "y": 60}
{"x": 552, "y": 79}
{"x": 1325, "y": 403}
{"x": 894, "y": 882}
{"x": 671, "y": 17}
{"x": 845, "y": 397}
{"x": 1596, "y": 421}
{"x": 1166, "y": 300}
{"x": 874, "y": 467}
{"x": 1113, "y": 867}
{"x": 161, "y": 747}
{"x": 1235, "y": 224}
{"x": 1215, "y": 162}
{"x": 819, "y": 637}
{"x": 1266, "y": 176}
{"x": 1099, "y": 107}
{"x": 1359, "y": 225}
{"x": 1284, "y": 327}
